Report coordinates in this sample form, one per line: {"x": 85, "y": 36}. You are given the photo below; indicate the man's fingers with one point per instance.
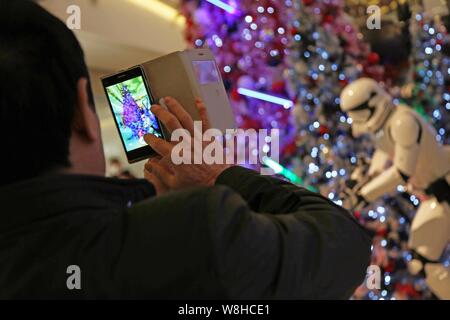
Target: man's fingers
{"x": 169, "y": 120}
{"x": 148, "y": 165}
{"x": 167, "y": 162}
{"x": 160, "y": 187}
{"x": 178, "y": 117}
{"x": 162, "y": 173}
{"x": 161, "y": 146}
{"x": 203, "y": 112}
{"x": 180, "y": 113}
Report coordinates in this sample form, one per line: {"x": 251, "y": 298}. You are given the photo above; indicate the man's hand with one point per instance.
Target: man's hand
{"x": 160, "y": 170}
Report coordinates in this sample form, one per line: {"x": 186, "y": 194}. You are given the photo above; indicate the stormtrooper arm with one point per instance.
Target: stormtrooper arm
{"x": 378, "y": 163}
{"x": 384, "y": 183}
{"x": 405, "y": 132}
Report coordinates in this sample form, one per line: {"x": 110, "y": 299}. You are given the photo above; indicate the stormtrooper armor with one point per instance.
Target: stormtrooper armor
{"x": 404, "y": 139}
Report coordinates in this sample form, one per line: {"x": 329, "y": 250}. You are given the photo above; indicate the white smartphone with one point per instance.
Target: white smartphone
{"x": 130, "y": 100}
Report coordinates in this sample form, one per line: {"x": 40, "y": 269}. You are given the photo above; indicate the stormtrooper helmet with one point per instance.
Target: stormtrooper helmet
{"x": 367, "y": 103}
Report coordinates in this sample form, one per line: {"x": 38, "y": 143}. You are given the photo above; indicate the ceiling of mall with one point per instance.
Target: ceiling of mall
{"x": 116, "y": 34}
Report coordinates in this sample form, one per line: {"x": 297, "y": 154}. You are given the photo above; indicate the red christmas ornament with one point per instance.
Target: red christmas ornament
{"x": 408, "y": 289}
{"x": 323, "y": 129}
{"x": 249, "y": 123}
{"x": 382, "y": 232}
{"x": 390, "y": 266}
{"x": 328, "y": 18}
{"x": 278, "y": 87}
{"x": 294, "y": 31}
{"x": 343, "y": 82}
{"x": 235, "y": 96}
{"x": 373, "y": 58}
{"x": 308, "y": 2}
{"x": 290, "y": 149}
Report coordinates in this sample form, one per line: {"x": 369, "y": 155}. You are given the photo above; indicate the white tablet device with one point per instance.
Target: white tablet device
{"x": 188, "y": 74}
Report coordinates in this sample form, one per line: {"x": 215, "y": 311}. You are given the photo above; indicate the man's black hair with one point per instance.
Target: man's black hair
{"x": 40, "y": 64}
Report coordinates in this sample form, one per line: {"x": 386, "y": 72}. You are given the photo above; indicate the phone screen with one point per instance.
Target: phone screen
{"x": 131, "y": 105}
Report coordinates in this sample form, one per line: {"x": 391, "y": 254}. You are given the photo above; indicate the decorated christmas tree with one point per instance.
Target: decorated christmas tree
{"x": 428, "y": 91}
{"x": 326, "y": 53}
{"x": 131, "y": 113}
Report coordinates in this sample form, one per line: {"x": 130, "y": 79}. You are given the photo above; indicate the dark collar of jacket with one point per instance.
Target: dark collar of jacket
{"x": 43, "y": 197}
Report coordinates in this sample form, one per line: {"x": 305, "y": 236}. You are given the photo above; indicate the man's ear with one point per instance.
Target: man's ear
{"x": 85, "y": 120}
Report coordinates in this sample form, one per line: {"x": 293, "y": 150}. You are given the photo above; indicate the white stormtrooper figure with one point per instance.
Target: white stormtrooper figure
{"x": 407, "y": 142}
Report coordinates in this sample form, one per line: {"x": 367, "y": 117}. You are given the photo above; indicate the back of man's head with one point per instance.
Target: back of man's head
{"x": 40, "y": 64}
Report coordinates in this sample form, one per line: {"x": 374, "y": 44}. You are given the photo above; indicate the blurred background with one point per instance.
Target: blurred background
{"x": 306, "y": 51}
